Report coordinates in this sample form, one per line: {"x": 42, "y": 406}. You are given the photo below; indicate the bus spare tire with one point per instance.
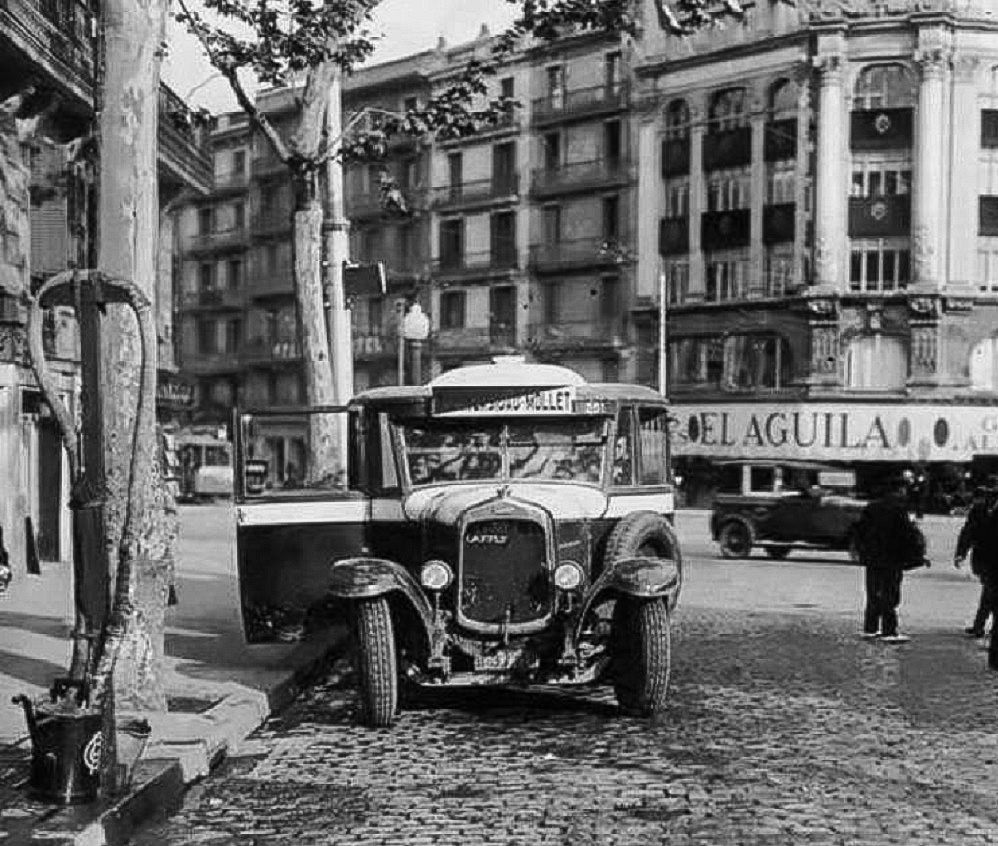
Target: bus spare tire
{"x": 377, "y": 664}
{"x": 645, "y": 533}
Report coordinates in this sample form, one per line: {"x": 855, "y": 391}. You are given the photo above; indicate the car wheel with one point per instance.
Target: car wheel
{"x": 778, "y": 552}
{"x": 645, "y": 533}
{"x": 735, "y": 540}
{"x": 377, "y": 664}
{"x": 641, "y": 655}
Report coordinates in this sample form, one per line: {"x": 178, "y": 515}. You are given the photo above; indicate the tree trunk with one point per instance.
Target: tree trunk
{"x": 324, "y": 465}
{"x": 129, "y": 219}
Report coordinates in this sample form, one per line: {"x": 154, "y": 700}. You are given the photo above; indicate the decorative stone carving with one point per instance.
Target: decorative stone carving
{"x": 958, "y": 304}
{"x": 824, "y": 349}
{"x": 933, "y": 61}
{"x": 924, "y": 308}
{"x": 825, "y": 265}
{"x": 831, "y": 67}
{"x": 922, "y": 254}
{"x": 824, "y": 308}
{"x": 924, "y": 350}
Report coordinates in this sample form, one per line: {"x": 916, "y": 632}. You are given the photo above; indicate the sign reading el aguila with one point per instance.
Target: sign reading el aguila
{"x": 841, "y": 432}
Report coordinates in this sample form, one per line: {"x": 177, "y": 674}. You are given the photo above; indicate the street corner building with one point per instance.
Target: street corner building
{"x": 47, "y": 52}
{"x": 812, "y": 191}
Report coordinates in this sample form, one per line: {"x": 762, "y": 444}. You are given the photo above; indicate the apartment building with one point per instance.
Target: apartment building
{"x": 46, "y": 208}
{"x": 823, "y": 187}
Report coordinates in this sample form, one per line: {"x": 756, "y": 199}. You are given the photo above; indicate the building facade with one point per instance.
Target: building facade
{"x": 46, "y": 212}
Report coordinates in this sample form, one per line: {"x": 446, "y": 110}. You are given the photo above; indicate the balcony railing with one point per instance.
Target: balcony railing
{"x": 218, "y": 298}
{"x": 577, "y": 252}
{"x": 370, "y": 203}
{"x": 489, "y": 261}
{"x": 226, "y": 239}
{"x": 209, "y": 363}
{"x": 184, "y": 144}
{"x": 878, "y": 216}
{"x": 580, "y": 102}
{"x": 374, "y": 345}
{"x": 263, "y": 283}
{"x": 272, "y": 222}
{"x": 500, "y": 337}
{"x": 596, "y": 332}
{"x": 231, "y": 180}
{"x": 505, "y": 188}
{"x": 271, "y": 351}
{"x": 396, "y": 263}
{"x": 581, "y": 175}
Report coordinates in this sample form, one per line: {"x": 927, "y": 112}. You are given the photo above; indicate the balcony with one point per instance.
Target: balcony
{"x": 374, "y": 346}
{"x": 370, "y": 204}
{"x": 779, "y": 223}
{"x": 216, "y": 299}
{"x": 267, "y": 165}
{"x": 500, "y": 123}
{"x": 475, "y": 339}
{"x": 581, "y": 177}
{"x": 477, "y": 265}
{"x": 231, "y": 182}
{"x": 580, "y": 103}
{"x": 872, "y": 217}
{"x": 578, "y": 253}
{"x": 727, "y": 148}
{"x": 594, "y": 333}
{"x": 209, "y": 364}
{"x": 264, "y": 352}
{"x": 272, "y": 222}
{"x": 263, "y": 283}
{"x": 227, "y": 240}
{"x": 674, "y": 236}
{"x": 184, "y": 154}
{"x": 400, "y": 267}
{"x": 481, "y": 192}
{"x": 880, "y": 129}
{"x": 722, "y": 230}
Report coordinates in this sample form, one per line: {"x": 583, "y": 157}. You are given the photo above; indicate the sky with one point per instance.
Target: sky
{"x": 407, "y": 26}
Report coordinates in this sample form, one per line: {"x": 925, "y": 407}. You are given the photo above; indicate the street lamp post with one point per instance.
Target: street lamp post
{"x": 415, "y": 331}
{"x": 663, "y": 369}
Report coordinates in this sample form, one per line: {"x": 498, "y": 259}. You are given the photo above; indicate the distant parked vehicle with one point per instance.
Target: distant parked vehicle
{"x": 205, "y": 467}
{"x": 785, "y": 505}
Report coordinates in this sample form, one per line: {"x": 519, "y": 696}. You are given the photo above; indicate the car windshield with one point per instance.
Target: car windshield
{"x": 449, "y": 451}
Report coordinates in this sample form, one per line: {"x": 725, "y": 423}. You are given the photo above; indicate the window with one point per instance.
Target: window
{"x": 884, "y": 87}
{"x": 989, "y": 129}
{"x": 677, "y": 280}
{"x": 503, "y": 226}
{"x": 551, "y": 224}
{"x": 552, "y": 151}
{"x": 370, "y": 244}
{"x": 271, "y": 256}
{"x": 611, "y": 72}
{"x": 556, "y": 86}
{"x": 238, "y": 216}
{"x": 206, "y": 277}
{"x": 876, "y": 362}
{"x": 504, "y": 167}
{"x": 988, "y": 215}
{"x": 234, "y": 274}
{"x": 696, "y": 361}
{"x": 206, "y": 220}
{"x": 506, "y": 87}
{"x": 762, "y": 479}
{"x": 879, "y": 265}
{"x": 623, "y": 449}
{"x": 207, "y": 337}
{"x": 881, "y": 179}
{"x": 612, "y": 146}
{"x": 653, "y": 438}
{"x": 727, "y": 276}
{"x": 781, "y": 184}
{"x": 452, "y": 309}
{"x": 728, "y": 189}
{"x": 677, "y": 198}
{"x": 782, "y": 100}
{"x": 552, "y": 303}
{"x": 502, "y": 315}
{"x": 375, "y": 315}
{"x": 611, "y": 217}
{"x": 452, "y": 243}
{"x": 728, "y": 110}
{"x": 987, "y": 265}
{"x": 677, "y": 119}
{"x": 611, "y": 307}
{"x": 233, "y": 335}
{"x": 756, "y": 362}
{"x": 239, "y": 162}
{"x": 410, "y": 104}
{"x": 984, "y": 365}
{"x": 779, "y": 271}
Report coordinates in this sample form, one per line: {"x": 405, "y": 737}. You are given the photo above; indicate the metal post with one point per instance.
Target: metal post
{"x": 663, "y": 370}
{"x": 415, "y": 362}
{"x": 400, "y": 337}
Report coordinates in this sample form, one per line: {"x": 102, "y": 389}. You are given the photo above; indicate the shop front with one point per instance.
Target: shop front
{"x": 951, "y": 446}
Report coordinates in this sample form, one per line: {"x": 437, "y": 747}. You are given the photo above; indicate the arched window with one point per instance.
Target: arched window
{"x": 984, "y": 365}
{"x": 877, "y": 362}
{"x": 677, "y": 119}
{"x": 782, "y": 99}
{"x": 728, "y": 110}
{"x": 756, "y": 362}
{"x": 885, "y": 87}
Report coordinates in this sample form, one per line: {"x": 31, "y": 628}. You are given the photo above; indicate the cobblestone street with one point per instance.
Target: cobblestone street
{"x": 784, "y": 727}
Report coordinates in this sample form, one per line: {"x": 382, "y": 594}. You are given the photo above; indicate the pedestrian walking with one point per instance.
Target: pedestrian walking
{"x": 985, "y": 551}
{"x": 888, "y": 543}
{"x": 967, "y": 542}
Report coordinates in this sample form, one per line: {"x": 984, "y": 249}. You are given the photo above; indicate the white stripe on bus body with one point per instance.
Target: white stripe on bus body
{"x": 389, "y": 510}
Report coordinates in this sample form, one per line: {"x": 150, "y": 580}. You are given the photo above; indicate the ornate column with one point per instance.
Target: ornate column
{"x": 757, "y": 198}
{"x": 928, "y": 218}
{"x": 830, "y": 229}
{"x": 803, "y": 181}
{"x": 965, "y": 144}
{"x": 698, "y": 197}
{"x": 650, "y": 191}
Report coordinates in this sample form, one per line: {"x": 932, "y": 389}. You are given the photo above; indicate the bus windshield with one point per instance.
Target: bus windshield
{"x": 450, "y": 451}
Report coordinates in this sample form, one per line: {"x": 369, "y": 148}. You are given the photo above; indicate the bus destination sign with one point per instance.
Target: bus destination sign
{"x": 487, "y": 402}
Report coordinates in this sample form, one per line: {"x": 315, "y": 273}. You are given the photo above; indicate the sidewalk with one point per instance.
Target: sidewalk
{"x": 219, "y": 688}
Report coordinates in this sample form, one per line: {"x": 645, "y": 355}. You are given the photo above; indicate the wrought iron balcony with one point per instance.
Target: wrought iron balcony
{"x": 272, "y": 222}
{"x": 270, "y": 351}
{"x": 184, "y": 151}
{"x": 576, "y": 253}
{"x": 720, "y": 230}
{"x": 597, "y": 332}
{"x": 581, "y": 176}
{"x": 263, "y": 283}
{"x": 231, "y": 182}
{"x": 370, "y": 203}
{"x": 206, "y": 364}
{"x": 500, "y": 337}
{"x": 371, "y": 346}
{"x": 485, "y": 263}
{"x": 477, "y": 192}
{"x": 228, "y": 239}
{"x": 727, "y": 148}
{"x": 580, "y": 102}
{"x": 268, "y": 164}
{"x": 216, "y": 298}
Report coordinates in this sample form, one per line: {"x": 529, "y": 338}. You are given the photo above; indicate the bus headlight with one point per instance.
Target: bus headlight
{"x": 568, "y": 576}
{"x": 435, "y": 575}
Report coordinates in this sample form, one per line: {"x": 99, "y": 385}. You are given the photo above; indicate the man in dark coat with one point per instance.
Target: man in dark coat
{"x": 986, "y": 558}
{"x": 888, "y": 542}
{"x": 970, "y": 535}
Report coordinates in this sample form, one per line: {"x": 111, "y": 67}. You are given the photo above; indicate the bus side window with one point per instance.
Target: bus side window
{"x": 389, "y": 476}
{"x": 653, "y": 432}
{"x": 623, "y": 448}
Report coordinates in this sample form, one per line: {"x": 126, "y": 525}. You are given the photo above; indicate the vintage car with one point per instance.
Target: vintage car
{"x": 507, "y": 523}
{"x": 780, "y": 506}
